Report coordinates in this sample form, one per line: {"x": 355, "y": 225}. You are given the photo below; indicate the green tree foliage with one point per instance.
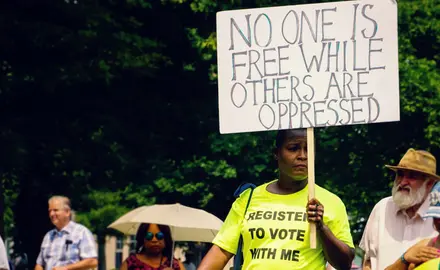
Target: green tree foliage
{"x": 114, "y": 104}
{"x": 350, "y": 160}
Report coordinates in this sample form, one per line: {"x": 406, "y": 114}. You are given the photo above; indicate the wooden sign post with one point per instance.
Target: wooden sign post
{"x": 308, "y": 66}
{"x": 311, "y": 179}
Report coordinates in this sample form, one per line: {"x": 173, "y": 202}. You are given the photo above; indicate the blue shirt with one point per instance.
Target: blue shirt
{"x": 70, "y": 245}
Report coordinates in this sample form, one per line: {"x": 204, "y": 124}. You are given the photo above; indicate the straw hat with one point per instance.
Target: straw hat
{"x": 418, "y": 161}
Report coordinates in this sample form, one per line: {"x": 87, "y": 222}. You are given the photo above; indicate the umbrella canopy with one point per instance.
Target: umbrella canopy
{"x": 186, "y": 223}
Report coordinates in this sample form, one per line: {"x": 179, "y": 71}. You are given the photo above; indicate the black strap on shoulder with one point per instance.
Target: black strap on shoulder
{"x": 238, "y": 258}
{"x": 242, "y": 188}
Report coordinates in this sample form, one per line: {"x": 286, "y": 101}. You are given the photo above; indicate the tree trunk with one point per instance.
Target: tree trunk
{"x": 30, "y": 211}
{"x": 101, "y": 252}
{"x": 2, "y": 211}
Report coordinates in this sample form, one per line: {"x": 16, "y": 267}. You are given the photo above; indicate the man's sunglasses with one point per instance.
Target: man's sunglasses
{"x": 159, "y": 236}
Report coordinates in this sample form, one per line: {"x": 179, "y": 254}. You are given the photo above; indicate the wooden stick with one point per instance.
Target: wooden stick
{"x": 311, "y": 179}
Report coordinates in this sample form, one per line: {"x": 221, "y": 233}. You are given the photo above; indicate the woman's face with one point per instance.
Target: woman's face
{"x": 436, "y": 222}
{"x": 292, "y": 157}
{"x": 154, "y": 241}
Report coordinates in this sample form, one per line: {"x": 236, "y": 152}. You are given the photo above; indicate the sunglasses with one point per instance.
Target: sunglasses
{"x": 159, "y": 236}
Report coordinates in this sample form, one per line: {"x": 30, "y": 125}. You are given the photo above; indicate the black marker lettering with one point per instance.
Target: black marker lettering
{"x": 360, "y": 82}
{"x": 261, "y": 113}
{"x": 370, "y": 50}
{"x": 293, "y": 88}
{"x": 238, "y": 105}
{"x": 370, "y": 19}
{"x": 353, "y": 36}
{"x": 282, "y": 59}
{"x": 345, "y": 110}
{"x": 303, "y": 114}
{"x": 334, "y": 111}
{"x": 316, "y": 111}
{"x": 335, "y": 55}
{"x": 314, "y": 58}
{"x": 354, "y": 58}
{"x": 326, "y": 23}
{"x": 269, "y": 89}
{"x": 333, "y": 84}
{"x": 291, "y": 106}
{"x": 234, "y": 65}
{"x": 289, "y": 27}
{"x": 314, "y": 33}
{"x": 346, "y": 83}
{"x": 280, "y": 87}
{"x": 282, "y": 110}
{"x": 269, "y": 38}
{"x": 266, "y": 60}
{"x": 254, "y": 88}
{"x": 253, "y": 63}
{"x": 311, "y": 88}
{"x": 247, "y": 40}
{"x": 370, "y": 110}
{"x": 354, "y": 110}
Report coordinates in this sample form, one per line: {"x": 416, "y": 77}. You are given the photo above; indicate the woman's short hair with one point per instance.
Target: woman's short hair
{"x": 142, "y": 231}
{"x": 283, "y": 134}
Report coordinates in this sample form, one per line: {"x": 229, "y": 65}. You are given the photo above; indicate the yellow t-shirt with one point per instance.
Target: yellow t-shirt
{"x": 429, "y": 265}
{"x": 276, "y": 231}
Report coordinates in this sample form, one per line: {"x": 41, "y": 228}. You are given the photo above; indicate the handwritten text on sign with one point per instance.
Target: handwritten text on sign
{"x": 308, "y": 66}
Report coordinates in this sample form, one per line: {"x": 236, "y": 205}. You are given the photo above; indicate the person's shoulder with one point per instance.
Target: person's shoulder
{"x": 256, "y": 190}
{"x": 384, "y": 205}
{"x": 49, "y": 233}
{"x": 384, "y": 202}
{"x": 46, "y": 238}
{"x": 80, "y": 227}
{"x": 325, "y": 194}
{"x": 131, "y": 256}
{"x": 263, "y": 187}
{"x": 131, "y": 259}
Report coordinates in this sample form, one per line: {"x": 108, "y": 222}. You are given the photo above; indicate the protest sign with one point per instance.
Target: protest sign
{"x": 306, "y": 66}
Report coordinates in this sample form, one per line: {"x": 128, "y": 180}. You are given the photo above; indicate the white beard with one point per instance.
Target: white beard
{"x": 404, "y": 200}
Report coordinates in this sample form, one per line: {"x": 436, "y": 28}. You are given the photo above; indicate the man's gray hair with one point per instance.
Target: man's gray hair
{"x": 65, "y": 202}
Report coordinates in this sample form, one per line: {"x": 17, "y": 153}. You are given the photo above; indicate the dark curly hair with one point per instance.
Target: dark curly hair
{"x": 142, "y": 231}
{"x": 283, "y": 134}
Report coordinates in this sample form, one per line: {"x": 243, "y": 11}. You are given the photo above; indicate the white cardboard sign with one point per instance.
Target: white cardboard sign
{"x": 309, "y": 65}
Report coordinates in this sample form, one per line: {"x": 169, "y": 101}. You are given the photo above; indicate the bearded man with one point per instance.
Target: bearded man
{"x": 396, "y": 222}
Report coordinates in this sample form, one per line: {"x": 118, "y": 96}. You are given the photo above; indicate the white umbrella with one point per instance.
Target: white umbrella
{"x": 186, "y": 223}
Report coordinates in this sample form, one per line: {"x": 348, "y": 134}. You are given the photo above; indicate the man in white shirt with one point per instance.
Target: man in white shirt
{"x": 4, "y": 263}
{"x": 396, "y": 223}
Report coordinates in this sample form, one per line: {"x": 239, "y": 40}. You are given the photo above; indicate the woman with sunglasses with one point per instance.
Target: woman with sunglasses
{"x": 153, "y": 248}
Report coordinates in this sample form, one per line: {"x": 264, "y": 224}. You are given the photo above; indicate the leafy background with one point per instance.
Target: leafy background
{"x": 114, "y": 104}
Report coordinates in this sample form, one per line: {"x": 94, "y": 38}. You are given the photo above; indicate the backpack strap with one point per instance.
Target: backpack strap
{"x": 242, "y": 188}
{"x": 238, "y": 258}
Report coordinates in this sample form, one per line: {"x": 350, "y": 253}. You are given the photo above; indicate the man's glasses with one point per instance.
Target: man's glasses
{"x": 159, "y": 236}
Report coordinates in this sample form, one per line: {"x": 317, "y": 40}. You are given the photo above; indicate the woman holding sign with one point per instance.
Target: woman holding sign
{"x": 275, "y": 223}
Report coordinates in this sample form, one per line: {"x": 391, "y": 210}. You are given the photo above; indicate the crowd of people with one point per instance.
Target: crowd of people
{"x": 401, "y": 232}
{"x": 269, "y": 225}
